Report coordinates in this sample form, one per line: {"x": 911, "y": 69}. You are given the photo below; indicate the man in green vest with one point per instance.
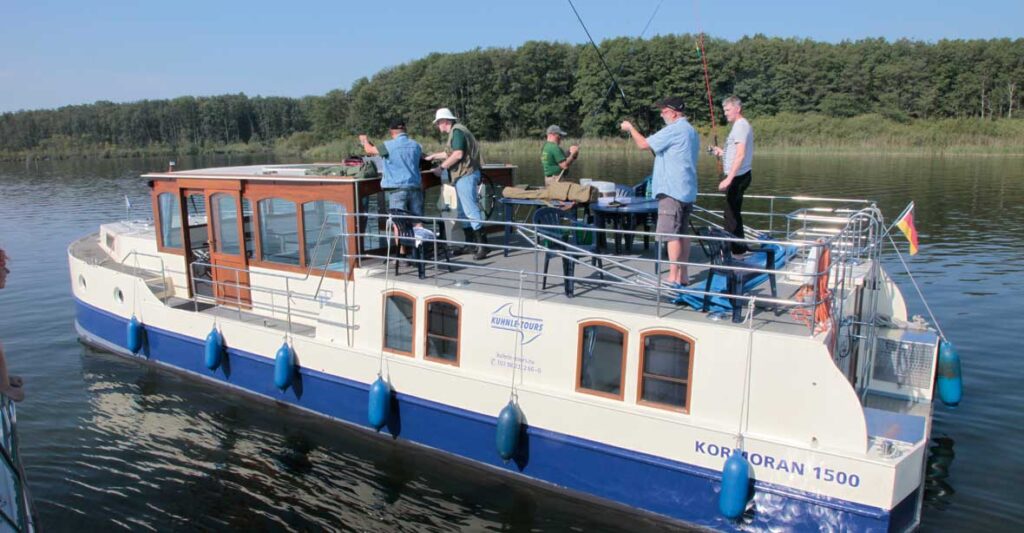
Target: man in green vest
{"x": 460, "y": 160}
{"x": 554, "y": 160}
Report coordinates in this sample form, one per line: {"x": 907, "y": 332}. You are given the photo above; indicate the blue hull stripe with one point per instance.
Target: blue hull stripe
{"x": 678, "y": 490}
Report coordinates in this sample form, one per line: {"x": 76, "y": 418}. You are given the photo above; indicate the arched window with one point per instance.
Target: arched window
{"x": 279, "y": 231}
{"x": 324, "y": 220}
{"x": 399, "y": 322}
{"x": 601, "y": 359}
{"x": 170, "y": 220}
{"x": 666, "y": 362}
{"x": 444, "y": 326}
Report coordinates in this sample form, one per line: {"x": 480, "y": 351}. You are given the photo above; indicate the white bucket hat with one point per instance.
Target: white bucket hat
{"x": 444, "y": 114}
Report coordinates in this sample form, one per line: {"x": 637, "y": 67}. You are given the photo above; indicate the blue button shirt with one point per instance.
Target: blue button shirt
{"x": 402, "y": 163}
{"x": 675, "y": 148}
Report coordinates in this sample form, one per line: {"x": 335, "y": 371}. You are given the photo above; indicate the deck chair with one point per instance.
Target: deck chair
{"x": 420, "y": 249}
{"x": 640, "y": 191}
{"x": 574, "y": 229}
{"x": 737, "y": 282}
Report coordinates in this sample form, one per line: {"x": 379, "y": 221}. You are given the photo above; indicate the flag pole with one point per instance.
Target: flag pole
{"x": 896, "y": 220}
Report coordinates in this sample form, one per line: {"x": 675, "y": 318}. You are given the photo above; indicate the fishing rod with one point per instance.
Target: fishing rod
{"x": 632, "y": 49}
{"x": 711, "y": 103}
{"x": 615, "y": 82}
{"x": 707, "y": 83}
{"x": 600, "y": 56}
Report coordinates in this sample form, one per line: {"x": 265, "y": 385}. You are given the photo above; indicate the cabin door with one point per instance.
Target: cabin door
{"x": 229, "y": 248}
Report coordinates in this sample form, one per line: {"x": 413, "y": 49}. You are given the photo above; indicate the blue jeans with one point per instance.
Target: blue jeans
{"x": 410, "y": 200}
{"x": 466, "y": 188}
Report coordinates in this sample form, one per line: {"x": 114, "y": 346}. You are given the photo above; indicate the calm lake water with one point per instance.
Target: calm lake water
{"x": 112, "y": 444}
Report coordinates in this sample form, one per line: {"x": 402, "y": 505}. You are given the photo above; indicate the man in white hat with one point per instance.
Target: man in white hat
{"x": 554, "y": 160}
{"x": 461, "y": 159}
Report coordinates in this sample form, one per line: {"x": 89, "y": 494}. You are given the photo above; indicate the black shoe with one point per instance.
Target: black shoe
{"x": 467, "y": 247}
{"x": 481, "y": 250}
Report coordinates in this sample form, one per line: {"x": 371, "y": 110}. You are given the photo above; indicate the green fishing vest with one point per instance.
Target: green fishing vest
{"x": 470, "y": 161}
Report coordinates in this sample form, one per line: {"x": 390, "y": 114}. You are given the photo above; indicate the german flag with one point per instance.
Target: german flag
{"x": 906, "y": 224}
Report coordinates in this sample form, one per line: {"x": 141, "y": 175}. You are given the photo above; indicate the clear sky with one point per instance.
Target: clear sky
{"x": 60, "y": 52}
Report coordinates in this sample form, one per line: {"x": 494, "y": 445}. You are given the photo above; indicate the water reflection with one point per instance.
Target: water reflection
{"x": 938, "y": 493}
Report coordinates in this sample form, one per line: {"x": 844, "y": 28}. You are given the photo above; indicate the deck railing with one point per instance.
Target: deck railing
{"x": 16, "y": 513}
{"x": 850, "y": 230}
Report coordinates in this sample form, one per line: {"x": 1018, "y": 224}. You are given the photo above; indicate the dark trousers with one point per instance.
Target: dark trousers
{"x": 734, "y": 208}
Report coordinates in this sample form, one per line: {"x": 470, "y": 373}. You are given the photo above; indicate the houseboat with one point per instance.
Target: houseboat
{"x": 784, "y": 390}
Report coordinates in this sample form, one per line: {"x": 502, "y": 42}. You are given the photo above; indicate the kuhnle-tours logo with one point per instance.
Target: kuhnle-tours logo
{"x": 503, "y": 318}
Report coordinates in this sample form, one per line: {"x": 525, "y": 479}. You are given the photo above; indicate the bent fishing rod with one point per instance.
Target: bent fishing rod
{"x": 613, "y": 75}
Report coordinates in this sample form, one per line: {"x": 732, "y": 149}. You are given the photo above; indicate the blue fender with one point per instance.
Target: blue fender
{"x": 284, "y": 367}
{"x": 732, "y": 501}
{"x": 950, "y": 381}
{"x": 214, "y": 349}
{"x": 378, "y": 408}
{"x": 136, "y": 333}
{"x": 506, "y": 437}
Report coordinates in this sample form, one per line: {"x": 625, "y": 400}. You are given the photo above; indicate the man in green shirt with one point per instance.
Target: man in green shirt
{"x": 553, "y": 159}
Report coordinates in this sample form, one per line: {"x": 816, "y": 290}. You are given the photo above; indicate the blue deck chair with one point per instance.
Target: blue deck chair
{"x": 407, "y": 237}
{"x": 731, "y": 282}
{"x": 574, "y": 232}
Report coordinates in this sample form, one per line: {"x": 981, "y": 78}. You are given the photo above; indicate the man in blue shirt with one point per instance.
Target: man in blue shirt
{"x": 401, "y": 156}
{"x": 674, "y": 181}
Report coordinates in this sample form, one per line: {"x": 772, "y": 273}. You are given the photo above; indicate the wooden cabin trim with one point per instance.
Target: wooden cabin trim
{"x": 384, "y": 322}
{"x": 166, "y": 187}
{"x": 689, "y": 372}
{"x": 426, "y": 331}
{"x": 622, "y": 361}
{"x": 220, "y": 184}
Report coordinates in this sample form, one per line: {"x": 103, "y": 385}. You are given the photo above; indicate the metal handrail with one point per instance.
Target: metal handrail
{"x": 571, "y": 255}
{"x": 163, "y": 269}
{"x": 25, "y": 520}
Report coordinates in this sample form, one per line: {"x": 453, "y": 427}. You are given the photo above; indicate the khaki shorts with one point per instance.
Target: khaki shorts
{"x": 673, "y": 217}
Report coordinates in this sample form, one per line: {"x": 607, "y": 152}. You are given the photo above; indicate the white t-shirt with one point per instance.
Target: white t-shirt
{"x": 741, "y": 132}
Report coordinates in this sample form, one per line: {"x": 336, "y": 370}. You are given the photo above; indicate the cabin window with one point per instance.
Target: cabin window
{"x": 665, "y": 363}
{"x": 170, "y": 220}
{"x": 196, "y": 222}
{"x": 226, "y": 224}
{"x": 279, "y": 231}
{"x": 328, "y": 216}
{"x": 399, "y": 320}
{"x": 443, "y": 331}
{"x": 602, "y": 360}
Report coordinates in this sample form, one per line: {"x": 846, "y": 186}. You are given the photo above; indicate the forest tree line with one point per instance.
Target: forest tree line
{"x": 504, "y": 93}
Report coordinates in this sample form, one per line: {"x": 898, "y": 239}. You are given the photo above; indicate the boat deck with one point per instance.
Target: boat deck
{"x": 501, "y": 275}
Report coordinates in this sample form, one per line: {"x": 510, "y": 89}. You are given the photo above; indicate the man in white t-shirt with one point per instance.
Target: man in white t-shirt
{"x": 739, "y": 154}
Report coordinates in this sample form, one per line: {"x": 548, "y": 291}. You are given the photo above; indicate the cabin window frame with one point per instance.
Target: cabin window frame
{"x": 298, "y": 235}
{"x": 426, "y": 331}
{"x": 687, "y": 406}
{"x": 622, "y": 361}
{"x": 384, "y": 323}
{"x": 342, "y": 242}
{"x": 164, "y": 187}
{"x": 337, "y": 193}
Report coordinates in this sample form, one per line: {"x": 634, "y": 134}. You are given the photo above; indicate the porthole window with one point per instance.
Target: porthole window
{"x": 118, "y": 295}
{"x": 81, "y": 282}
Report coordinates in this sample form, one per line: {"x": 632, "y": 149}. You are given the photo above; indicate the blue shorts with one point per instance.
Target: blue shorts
{"x": 410, "y": 200}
